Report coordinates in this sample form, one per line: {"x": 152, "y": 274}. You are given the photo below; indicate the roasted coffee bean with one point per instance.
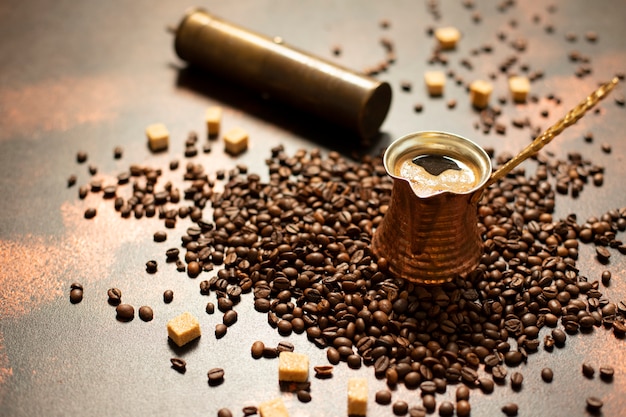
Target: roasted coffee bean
{"x": 333, "y": 355}
{"x": 168, "y": 296}
{"x": 559, "y": 337}
{"x": 354, "y": 361}
{"x": 285, "y": 346}
{"x": 547, "y": 374}
{"x": 146, "y": 313}
{"x": 115, "y": 296}
{"x": 81, "y": 156}
{"x": 304, "y": 396}
{"x": 220, "y": 330}
{"x": 71, "y": 180}
{"x": 257, "y": 349}
{"x": 462, "y": 393}
{"x": 160, "y": 236}
{"x": 606, "y": 373}
{"x": 90, "y": 213}
{"x": 179, "y": 365}
{"x": 125, "y": 312}
{"x": 400, "y": 408}
{"x": 224, "y": 412}
{"x": 323, "y": 371}
{"x": 510, "y": 409}
{"x": 429, "y": 402}
{"x": 463, "y": 408}
{"x": 270, "y": 352}
{"x": 249, "y": 410}
{"x": 383, "y": 397}
{"x": 594, "y": 404}
{"x": 76, "y": 295}
{"x": 151, "y": 267}
{"x": 193, "y": 269}
{"x": 446, "y": 408}
{"x": 516, "y": 380}
{"x": 216, "y": 376}
{"x": 417, "y": 411}
{"x": 229, "y": 318}
{"x": 486, "y": 385}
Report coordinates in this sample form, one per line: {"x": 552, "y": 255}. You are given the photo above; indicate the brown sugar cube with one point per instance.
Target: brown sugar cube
{"x": 479, "y": 93}
{"x": 357, "y": 396}
{"x": 273, "y": 408}
{"x": 519, "y": 86}
{"x": 435, "y": 81}
{"x": 183, "y": 329}
{"x": 213, "y": 120}
{"x": 447, "y": 37}
{"x": 293, "y": 367}
{"x": 158, "y": 137}
{"x": 236, "y": 141}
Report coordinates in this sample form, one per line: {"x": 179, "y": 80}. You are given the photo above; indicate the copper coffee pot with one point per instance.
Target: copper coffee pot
{"x": 429, "y": 234}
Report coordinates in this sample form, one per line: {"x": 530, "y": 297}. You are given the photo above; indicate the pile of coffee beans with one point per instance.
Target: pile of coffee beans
{"x": 300, "y": 243}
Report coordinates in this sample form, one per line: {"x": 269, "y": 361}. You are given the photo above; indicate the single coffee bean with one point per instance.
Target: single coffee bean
{"x": 151, "y": 266}
{"x": 462, "y": 393}
{"x": 559, "y": 337}
{"x": 160, "y": 236}
{"x": 250, "y": 410}
{"x": 486, "y": 385}
{"x": 510, "y": 409}
{"x": 588, "y": 370}
{"x": 224, "y": 412}
{"x": 179, "y": 365}
{"x": 285, "y": 346}
{"x": 90, "y": 213}
{"x": 417, "y": 411}
{"x": 606, "y": 373}
{"x": 81, "y": 156}
{"x": 257, "y": 349}
{"x": 168, "y": 296}
{"x": 594, "y": 404}
{"x": 76, "y": 295}
{"x": 115, "y": 296}
{"x": 125, "y": 312}
{"x": 270, "y": 352}
{"x": 333, "y": 355}
{"x": 429, "y": 402}
{"x": 323, "y": 371}
{"x": 216, "y": 376}
{"x": 547, "y": 374}
{"x": 516, "y": 380}
{"x": 446, "y": 409}
{"x": 400, "y": 408}
{"x": 383, "y": 397}
{"x": 220, "y": 330}
{"x": 146, "y": 313}
{"x": 229, "y": 318}
{"x": 193, "y": 269}
{"x": 304, "y": 396}
{"x": 354, "y": 361}
{"x": 463, "y": 408}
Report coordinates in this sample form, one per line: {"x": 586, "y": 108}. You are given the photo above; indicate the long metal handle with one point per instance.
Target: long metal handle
{"x": 546, "y": 137}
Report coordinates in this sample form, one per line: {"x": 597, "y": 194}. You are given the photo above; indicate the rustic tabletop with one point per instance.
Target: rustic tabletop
{"x": 89, "y": 76}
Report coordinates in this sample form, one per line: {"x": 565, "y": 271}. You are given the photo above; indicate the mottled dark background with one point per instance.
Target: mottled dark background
{"x": 90, "y": 75}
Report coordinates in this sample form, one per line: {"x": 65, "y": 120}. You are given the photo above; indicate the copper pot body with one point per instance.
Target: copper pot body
{"x": 432, "y": 239}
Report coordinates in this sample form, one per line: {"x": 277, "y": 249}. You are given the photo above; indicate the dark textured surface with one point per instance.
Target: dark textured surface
{"x": 91, "y": 75}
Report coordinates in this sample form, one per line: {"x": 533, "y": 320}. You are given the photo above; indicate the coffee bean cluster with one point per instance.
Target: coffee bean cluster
{"x": 299, "y": 242}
